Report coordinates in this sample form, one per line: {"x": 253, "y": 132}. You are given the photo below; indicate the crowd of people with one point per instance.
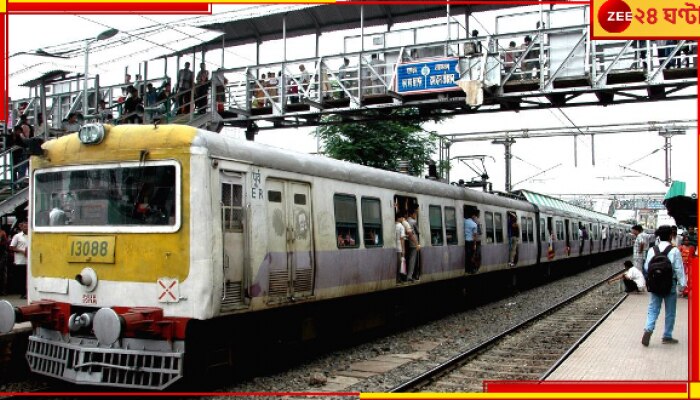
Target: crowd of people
{"x": 335, "y": 84}
{"x": 14, "y": 245}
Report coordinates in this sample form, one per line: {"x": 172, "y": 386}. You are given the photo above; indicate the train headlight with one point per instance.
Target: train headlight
{"x": 88, "y": 278}
{"x": 91, "y": 133}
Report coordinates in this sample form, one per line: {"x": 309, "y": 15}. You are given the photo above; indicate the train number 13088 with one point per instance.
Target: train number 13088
{"x": 99, "y": 249}
{"x": 89, "y": 248}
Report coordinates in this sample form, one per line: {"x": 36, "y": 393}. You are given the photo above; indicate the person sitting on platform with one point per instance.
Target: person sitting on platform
{"x": 632, "y": 278}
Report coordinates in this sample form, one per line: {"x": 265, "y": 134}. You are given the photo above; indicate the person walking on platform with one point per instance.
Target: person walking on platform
{"x": 632, "y": 278}
{"x": 659, "y": 260}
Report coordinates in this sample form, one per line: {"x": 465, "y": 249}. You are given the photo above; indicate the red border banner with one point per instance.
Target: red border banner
{"x": 493, "y": 387}
{"x": 108, "y": 8}
{"x": 586, "y": 387}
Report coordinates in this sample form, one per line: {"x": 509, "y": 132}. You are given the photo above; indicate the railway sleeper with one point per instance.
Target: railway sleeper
{"x": 487, "y": 365}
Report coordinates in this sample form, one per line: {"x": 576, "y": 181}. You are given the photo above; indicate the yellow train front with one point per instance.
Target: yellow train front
{"x": 111, "y": 259}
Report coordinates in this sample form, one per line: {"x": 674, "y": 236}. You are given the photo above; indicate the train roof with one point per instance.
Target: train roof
{"x": 133, "y": 138}
{"x": 318, "y": 165}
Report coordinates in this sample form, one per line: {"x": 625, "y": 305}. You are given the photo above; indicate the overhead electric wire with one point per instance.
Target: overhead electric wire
{"x": 169, "y": 26}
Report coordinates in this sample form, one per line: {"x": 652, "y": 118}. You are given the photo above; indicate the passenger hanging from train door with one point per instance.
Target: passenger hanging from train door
{"x": 551, "y": 238}
{"x": 471, "y": 238}
{"x": 583, "y": 234}
{"x": 604, "y": 236}
{"x": 413, "y": 244}
{"x": 408, "y": 240}
{"x": 513, "y": 238}
{"x": 400, "y": 248}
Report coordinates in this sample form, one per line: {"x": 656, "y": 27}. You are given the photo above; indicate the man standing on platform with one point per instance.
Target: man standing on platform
{"x": 20, "y": 246}
{"x": 677, "y": 279}
{"x": 639, "y": 248}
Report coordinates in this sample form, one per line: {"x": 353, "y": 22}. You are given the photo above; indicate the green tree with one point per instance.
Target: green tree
{"x": 380, "y": 143}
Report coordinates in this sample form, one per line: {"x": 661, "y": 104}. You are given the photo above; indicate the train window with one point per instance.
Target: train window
{"x": 300, "y": 199}
{"x": 435, "y": 216}
{"x": 523, "y": 229}
{"x": 574, "y": 231}
{"x": 530, "y": 229}
{"x": 372, "y": 222}
{"x": 232, "y": 207}
{"x": 108, "y": 196}
{"x": 451, "y": 225}
{"x": 345, "y": 220}
{"x": 543, "y": 232}
{"x": 498, "y": 222}
{"x": 274, "y": 196}
{"x": 560, "y": 230}
{"x": 488, "y": 222}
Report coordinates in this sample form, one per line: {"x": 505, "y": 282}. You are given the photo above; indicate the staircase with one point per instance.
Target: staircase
{"x": 14, "y": 191}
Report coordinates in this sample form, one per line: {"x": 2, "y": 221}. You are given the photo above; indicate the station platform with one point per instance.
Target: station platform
{"x": 614, "y": 351}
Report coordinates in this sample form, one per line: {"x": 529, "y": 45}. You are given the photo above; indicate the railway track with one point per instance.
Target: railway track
{"x": 381, "y": 364}
{"x": 530, "y": 350}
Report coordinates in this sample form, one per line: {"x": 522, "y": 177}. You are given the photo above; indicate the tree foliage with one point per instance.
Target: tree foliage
{"x": 380, "y": 143}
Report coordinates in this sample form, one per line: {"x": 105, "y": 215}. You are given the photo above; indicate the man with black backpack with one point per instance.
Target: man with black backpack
{"x": 663, "y": 270}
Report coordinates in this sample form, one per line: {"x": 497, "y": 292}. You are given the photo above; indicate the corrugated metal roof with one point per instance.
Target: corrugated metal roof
{"x": 264, "y": 22}
{"x": 142, "y": 45}
{"x": 26, "y": 68}
{"x": 561, "y": 205}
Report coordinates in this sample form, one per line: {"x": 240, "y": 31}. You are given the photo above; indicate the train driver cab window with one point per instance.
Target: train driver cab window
{"x": 451, "y": 225}
{"x": 345, "y": 220}
{"x": 488, "y": 223}
{"x": 133, "y": 195}
{"x": 435, "y": 216}
{"x": 371, "y": 222}
{"x": 498, "y": 222}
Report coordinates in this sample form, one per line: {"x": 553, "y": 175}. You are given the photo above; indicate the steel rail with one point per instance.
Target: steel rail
{"x": 455, "y": 361}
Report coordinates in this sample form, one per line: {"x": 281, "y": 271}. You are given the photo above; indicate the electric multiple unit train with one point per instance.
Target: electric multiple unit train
{"x": 140, "y": 232}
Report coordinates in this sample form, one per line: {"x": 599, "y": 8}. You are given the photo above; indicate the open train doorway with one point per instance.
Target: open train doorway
{"x": 406, "y": 206}
{"x": 472, "y": 249}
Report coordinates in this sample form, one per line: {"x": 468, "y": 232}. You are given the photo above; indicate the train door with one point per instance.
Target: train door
{"x": 290, "y": 239}
{"x": 567, "y": 236}
{"x": 234, "y": 226}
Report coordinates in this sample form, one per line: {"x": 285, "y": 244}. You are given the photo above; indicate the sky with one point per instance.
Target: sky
{"x": 531, "y": 156}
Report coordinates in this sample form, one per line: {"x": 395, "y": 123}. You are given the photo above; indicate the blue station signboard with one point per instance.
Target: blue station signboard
{"x": 427, "y": 76}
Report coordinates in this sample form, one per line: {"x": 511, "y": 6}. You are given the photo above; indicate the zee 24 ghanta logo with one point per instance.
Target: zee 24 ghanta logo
{"x": 615, "y": 16}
